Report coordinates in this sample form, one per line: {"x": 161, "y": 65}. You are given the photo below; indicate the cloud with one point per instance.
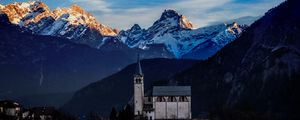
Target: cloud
{"x": 122, "y": 14}
{"x": 233, "y": 10}
{"x": 94, "y": 5}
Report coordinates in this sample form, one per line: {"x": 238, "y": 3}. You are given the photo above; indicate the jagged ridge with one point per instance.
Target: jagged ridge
{"x": 172, "y": 30}
{"x": 176, "y": 32}
{"x": 71, "y": 23}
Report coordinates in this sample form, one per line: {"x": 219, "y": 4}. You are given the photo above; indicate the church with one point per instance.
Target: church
{"x": 164, "y": 102}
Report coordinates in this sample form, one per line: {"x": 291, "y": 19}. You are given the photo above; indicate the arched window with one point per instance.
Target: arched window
{"x": 138, "y": 80}
{"x": 172, "y": 99}
{"x": 183, "y": 99}
{"x": 160, "y": 99}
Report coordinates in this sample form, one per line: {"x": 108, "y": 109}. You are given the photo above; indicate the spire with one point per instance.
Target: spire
{"x": 138, "y": 67}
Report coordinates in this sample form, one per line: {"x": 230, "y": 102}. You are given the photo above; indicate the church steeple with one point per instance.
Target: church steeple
{"x": 138, "y": 66}
{"x": 138, "y": 89}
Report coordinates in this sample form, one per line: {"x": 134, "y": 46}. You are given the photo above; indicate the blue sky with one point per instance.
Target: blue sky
{"x": 122, "y": 14}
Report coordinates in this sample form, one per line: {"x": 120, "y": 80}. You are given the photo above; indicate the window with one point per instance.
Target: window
{"x": 160, "y": 99}
{"x": 149, "y": 99}
{"x": 138, "y": 81}
{"x": 172, "y": 99}
{"x": 183, "y": 99}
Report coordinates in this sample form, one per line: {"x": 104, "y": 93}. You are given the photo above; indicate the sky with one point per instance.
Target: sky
{"x": 122, "y": 14}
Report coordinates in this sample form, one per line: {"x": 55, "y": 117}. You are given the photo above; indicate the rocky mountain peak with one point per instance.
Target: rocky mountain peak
{"x": 135, "y": 27}
{"x": 27, "y": 13}
{"x": 77, "y": 8}
{"x": 176, "y": 33}
{"x": 38, "y": 5}
{"x": 169, "y": 13}
{"x": 18, "y": 11}
{"x": 172, "y": 19}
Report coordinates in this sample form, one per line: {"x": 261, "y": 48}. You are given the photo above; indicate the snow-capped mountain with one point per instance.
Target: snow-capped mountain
{"x": 212, "y": 39}
{"x": 176, "y": 32}
{"x": 72, "y": 23}
{"x": 171, "y": 35}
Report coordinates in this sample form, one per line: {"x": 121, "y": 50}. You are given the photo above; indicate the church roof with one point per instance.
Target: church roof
{"x": 171, "y": 91}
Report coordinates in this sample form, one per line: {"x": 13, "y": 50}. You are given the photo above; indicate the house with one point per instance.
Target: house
{"x": 40, "y": 113}
{"x": 164, "y": 102}
{"x": 10, "y": 109}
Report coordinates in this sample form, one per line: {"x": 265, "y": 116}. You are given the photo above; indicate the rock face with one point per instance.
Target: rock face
{"x": 176, "y": 32}
{"x": 73, "y": 23}
{"x": 258, "y": 72}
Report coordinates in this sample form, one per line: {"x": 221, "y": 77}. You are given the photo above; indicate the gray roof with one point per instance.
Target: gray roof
{"x": 171, "y": 91}
{"x": 9, "y": 104}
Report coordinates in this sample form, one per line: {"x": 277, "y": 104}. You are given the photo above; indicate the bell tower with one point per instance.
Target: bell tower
{"x": 138, "y": 89}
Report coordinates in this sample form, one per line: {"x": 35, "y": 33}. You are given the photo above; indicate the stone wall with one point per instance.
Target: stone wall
{"x": 160, "y": 110}
{"x": 172, "y": 110}
{"x": 138, "y": 99}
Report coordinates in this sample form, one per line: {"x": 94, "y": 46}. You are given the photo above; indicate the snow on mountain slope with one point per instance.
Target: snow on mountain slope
{"x": 176, "y": 32}
{"x": 171, "y": 33}
{"x": 17, "y": 11}
{"x": 222, "y": 34}
{"x": 72, "y": 23}
{"x": 246, "y": 20}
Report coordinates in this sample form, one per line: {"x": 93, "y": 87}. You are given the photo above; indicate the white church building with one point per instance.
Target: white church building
{"x": 164, "y": 102}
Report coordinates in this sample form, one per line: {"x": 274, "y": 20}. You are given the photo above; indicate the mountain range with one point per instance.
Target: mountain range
{"x": 171, "y": 34}
{"x": 72, "y": 23}
{"x": 47, "y": 49}
{"x": 254, "y": 77}
{"x": 176, "y": 32}
{"x": 54, "y": 53}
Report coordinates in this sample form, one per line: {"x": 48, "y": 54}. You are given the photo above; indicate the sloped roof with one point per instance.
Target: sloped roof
{"x": 171, "y": 91}
{"x": 9, "y": 104}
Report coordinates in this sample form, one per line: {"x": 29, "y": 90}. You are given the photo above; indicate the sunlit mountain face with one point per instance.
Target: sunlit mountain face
{"x": 240, "y": 57}
{"x": 174, "y": 31}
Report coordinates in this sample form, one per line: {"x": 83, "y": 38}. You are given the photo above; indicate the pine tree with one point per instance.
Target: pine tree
{"x": 113, "y": 114}
{"x": 126, "y": 114}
